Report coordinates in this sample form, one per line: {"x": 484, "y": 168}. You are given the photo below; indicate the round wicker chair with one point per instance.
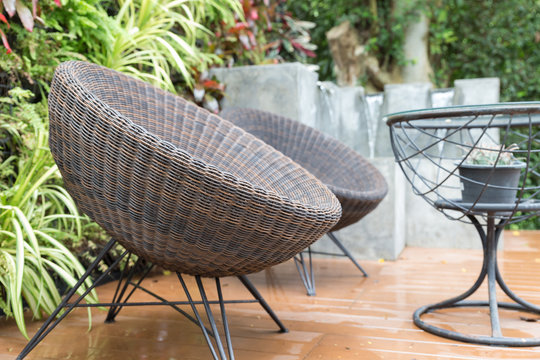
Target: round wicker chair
{"x": 357, "y": 184}
{"x": 177, "y": 185}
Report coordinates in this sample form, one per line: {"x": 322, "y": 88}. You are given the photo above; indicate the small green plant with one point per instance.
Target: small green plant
{"x": 491, "y": 154}
{"x": 36, "y": 216}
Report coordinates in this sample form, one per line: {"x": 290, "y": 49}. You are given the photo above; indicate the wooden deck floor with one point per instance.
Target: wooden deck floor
{"x": 350, "y": 318}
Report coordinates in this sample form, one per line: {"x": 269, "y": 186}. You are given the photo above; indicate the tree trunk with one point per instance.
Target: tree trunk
{"x": 415, "y": 49}
{"x": 352, "y": 62}
{"x": 347, "y": 52}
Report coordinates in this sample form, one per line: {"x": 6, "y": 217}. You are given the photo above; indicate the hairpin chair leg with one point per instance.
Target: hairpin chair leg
{"x": 306, "y": 275}
{"x": 216, "y": 347}
{"x": 255, "y": 293}
{"x": 346, "y": 252}
{"x": 123, "y": 283}
{"x": 217, "y": 339}
{"x": 120, "y": 299}
{"x": 306, "y": 272}
{"x": 51, "y": 323}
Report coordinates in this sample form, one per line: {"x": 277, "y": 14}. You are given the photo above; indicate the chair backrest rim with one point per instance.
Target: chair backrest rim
{"x": 337, "y": 190}
{"x": 174, "y": 151}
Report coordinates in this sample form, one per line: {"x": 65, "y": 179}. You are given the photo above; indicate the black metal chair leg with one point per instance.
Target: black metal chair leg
{"x": 307, "y": 276}
{"x": 346, "y": 252}
{"x": 199, "y": 319}
{"x": 119, "y": 294}
{"x": 211, "y": 320}
{"x": 224, "y": 319}
{"x": 49, "y": 325}
{"x": 306, "y": 272}
{"x": 255, "y": 293}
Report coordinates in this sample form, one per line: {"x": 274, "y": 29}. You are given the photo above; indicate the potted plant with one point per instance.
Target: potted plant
{"x": 490, "y": 174}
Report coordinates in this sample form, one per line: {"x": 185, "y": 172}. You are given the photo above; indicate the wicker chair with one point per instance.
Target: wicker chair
{"x": 178, "y": 186}
{"x": 357, "y": 184}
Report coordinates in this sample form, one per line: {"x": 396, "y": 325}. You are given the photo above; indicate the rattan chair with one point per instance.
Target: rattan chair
{"x": 178, "y": 186}
{"x": 357, "y": 184}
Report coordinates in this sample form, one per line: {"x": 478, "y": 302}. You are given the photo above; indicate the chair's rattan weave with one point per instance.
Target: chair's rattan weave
{"x": 176, "y": 184}
{"x": 358, "y": 185}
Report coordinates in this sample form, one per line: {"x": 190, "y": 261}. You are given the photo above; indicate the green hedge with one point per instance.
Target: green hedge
{"x": 488, "y": 39}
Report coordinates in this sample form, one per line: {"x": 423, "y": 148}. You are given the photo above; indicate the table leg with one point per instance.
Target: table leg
{"x": 490, "y": 270}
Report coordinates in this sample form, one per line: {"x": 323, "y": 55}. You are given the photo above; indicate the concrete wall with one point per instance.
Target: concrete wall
{"x": 346, "y": 113}
{"x": 287, "y": 89}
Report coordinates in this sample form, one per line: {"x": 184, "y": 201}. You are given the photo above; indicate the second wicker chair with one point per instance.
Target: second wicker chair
{"x": 357, "y": 184}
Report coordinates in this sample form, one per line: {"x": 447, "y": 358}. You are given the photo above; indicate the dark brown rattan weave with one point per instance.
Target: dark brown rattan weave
{"x": 358, "y": 185}
{"x": 175, "y": 184}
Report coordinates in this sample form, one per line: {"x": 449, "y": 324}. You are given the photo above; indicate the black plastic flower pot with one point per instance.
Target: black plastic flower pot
{"x": 502, "y": 182}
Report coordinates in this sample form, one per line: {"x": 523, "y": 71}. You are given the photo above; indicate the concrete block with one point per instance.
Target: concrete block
{"x": 477, "y": 91}
{"x": 342, "y": 114}
{"x": 400, "y": 97}
{"x": 373, "y": 107}
{"x": 442, "y": 97}
{"x": 381, "y": 234}
{"x": 482, "y": 91}
{"x": 288, "y": 89}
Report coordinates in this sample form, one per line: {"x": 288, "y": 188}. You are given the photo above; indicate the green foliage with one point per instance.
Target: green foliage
{"x": 26, "y": 65}
{"x": 36, "y": 216}
{"x": 26, "y": 17}
{"x": 521, "y": 139}
{"x": 488, "y": 39}
{"x": 138, "y": 41}
{"x": 380, "y": 24}
{"x": 152, "y": 39}
{"x": 82, "y": 25}
{"x": 266, "y": 33}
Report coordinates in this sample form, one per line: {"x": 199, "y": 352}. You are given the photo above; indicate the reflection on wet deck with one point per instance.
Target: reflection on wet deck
{"x": 350, "y": 318}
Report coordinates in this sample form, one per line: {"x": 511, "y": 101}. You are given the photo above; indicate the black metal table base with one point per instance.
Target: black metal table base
{"x": 306, "y": 270}
{"x": 490, "y": 270}
{"x": 219, "y": 349}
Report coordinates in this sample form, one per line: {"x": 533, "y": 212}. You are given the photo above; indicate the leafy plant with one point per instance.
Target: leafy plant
{"x": 156, "y": 40}
{"x": 26, "y": 16}
{"x": 152, "y": 39}
{"x": 487, "y": 39}
{"x": 267, "y": 33}
{"x": 491, "y": 154}
{"x": 27, "y": 66}
{"x": 380, "y": 25}
{"x": 36, "y": 216}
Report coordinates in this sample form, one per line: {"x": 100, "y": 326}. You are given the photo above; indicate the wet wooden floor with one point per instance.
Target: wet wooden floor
{"x": 350, "y": 318}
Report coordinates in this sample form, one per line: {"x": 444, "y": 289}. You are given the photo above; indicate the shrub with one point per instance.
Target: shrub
{"x": 36, "y": 216}
{"x": 379, "y": 24}
{"x": 266, "y": 33}
{"x": 488, "y": 39}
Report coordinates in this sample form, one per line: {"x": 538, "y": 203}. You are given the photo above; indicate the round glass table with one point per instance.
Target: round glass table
{"x": 479, "y": 165}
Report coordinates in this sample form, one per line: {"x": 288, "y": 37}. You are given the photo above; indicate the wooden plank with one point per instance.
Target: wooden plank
{"x": 350, "y": 318}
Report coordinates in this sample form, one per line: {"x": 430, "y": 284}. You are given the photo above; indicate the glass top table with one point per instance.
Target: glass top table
{"x": 480, "y": 165}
